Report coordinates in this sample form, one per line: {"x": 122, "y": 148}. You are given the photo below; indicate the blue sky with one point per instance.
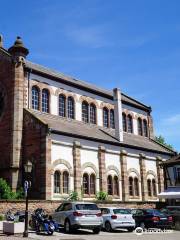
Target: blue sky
{"x": 130, "y": 44}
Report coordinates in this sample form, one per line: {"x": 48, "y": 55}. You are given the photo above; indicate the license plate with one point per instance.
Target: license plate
{"x": 163, "y": 218}
{"x": 87, "y": 215}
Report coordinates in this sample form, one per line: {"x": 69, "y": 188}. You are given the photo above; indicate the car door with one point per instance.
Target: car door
{"x": 105, "y": 215}
{"x": 138, "y": 215}
{"x": 66, "y": 212}
{"x": 57, "y": 213}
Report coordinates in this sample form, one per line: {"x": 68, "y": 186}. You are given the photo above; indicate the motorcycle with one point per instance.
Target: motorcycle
{"x": 18, "y": 216}
{"x": 41, "y": 223}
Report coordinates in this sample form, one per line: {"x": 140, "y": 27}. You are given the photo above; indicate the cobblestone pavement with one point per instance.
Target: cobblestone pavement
{"x": 85, "y": 235}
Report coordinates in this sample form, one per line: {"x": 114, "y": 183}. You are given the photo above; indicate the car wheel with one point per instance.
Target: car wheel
{"x": 130, "y": 229}
{"x": 142, "y": 225}
{"x": 67, "y": 226}
{"x": 96, "y": 230}
{"x": 108, "y": 227}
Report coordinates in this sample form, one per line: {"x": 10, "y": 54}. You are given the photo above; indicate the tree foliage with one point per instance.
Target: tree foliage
{"x": 7, "y": 193}
{"x": 162, "y": 141}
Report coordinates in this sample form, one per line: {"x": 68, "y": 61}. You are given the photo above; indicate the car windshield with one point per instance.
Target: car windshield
{"x": 154, "y": 211}
{"x": 86, "y": 207}
{"x": 122, "y": 211}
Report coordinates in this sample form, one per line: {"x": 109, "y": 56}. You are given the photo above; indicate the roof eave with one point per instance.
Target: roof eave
{"x": 108, "y": 142}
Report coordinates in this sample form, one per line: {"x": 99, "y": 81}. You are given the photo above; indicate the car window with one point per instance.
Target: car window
{"x": 60, "y": 208}
{"x": 105, "y": 211}
{"x": 122, "y": 211}
{"x": 67, "y": 207}
{"x": 154, "y": 212}
{"x": 139, "y": 213}
{"x": 86, "y": 207}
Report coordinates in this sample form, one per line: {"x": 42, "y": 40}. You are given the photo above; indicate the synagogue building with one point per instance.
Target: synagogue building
{"x": 77, "y": 136}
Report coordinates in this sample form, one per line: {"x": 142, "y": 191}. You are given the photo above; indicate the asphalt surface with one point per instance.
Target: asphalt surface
{"x": 87, "y": 235}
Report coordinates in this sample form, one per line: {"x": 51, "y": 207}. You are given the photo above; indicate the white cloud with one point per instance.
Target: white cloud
{"x": 92, "y": 36}
{"x": 175, "y": 119}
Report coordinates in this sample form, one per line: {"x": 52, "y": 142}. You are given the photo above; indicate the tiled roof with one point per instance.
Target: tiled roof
{"x": 70, "y": 80}
{"x": 93, "y": 132}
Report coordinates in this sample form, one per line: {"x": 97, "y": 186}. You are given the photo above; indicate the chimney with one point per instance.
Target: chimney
{"x": 1, "y": 41}
{"x": 118, "y": 114}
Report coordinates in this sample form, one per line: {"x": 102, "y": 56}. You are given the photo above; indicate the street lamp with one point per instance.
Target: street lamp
{"x": 27, "y": 185}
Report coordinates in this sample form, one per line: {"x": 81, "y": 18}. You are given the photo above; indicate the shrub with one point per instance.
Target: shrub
{"x": 101, "y": 196}
{"x": 73, "y": 196}
{"x": 7, "y": 193}
{"x": 1, "y": 217}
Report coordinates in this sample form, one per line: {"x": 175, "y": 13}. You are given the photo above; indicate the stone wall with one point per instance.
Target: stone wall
{"x": 50, "y": 206}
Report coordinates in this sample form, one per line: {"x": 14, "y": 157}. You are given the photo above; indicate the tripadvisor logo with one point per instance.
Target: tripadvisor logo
{"x": 140, "y": 231}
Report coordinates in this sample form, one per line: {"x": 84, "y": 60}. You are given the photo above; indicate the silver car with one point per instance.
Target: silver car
{"x": 117, "y": 218}
{"x": 75, "y": 215}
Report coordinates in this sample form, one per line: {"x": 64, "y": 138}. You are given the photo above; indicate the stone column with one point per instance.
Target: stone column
{"x": 124, "y": 176}
{"x": 77, "y": 167}
{"x": 102, "y": 169}
{"x": 151, "y": 129}
{"x": 118, "y": 114}
{"x": 18, "y": 54}
{"x": 160, "y": 175}
{"x": 142, "y": 158}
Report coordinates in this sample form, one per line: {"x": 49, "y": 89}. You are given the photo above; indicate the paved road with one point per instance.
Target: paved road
{"x": 85, "y": 235}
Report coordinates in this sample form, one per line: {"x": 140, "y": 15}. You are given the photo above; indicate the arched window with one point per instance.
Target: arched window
{"x": 85, "y": 183}
{"x": 70, "y": 108}
{"x": 57, "y": 182}
{"x": 129, "y": 124}
{"x": 92, "y": 184}
{"x": 35, "y": 98}
{"x": 110, "y": 185}
{"x": 124, "y": 122}
{"x": 154, "y": 188}
{"x": 112, "y": 124}
{"x": 62, "y": 105}
{"x": 65, "y": 182}
{"x": 45, "y": 101}
{"x": 140, "y": 130}
{"x": 136, "y": 186}
{"x": 85, "y": 112}
{"x": 116, "y": 186}
{"x": 145, "y": 128}
{"x": 92, "y": 113}
{"x": 131, "y": 190}
{"x": 105, "y": 117}
{"x": 149, "y": 187}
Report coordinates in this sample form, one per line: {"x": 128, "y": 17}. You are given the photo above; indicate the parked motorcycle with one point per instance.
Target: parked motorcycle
{"x": 41, "y": 223}
{"x": 18, "y": 216}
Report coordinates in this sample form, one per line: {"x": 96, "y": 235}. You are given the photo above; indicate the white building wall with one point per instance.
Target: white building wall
{"x": 62, "y": 152}
{"x": 112, "y": 159}
{"x": 89, "y": 156}
{"x": 78, "y": 93}
{"x": 151, "y": 165}
{"x": 133, "y": 162}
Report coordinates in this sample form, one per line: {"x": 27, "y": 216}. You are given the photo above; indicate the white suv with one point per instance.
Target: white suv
{"x": 75, "y": 215}
{"x": 114, "y": 218}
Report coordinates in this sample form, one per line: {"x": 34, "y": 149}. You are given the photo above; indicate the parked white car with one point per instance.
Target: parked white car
{"x": 117, "y": 218}
{"x": 75, "y": 215}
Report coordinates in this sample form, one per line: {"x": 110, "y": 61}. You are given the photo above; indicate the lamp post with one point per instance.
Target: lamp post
{"x": 27, "y": 185}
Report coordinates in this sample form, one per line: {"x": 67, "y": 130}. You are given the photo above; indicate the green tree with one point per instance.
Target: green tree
{"x": 7, "y": 193}
{"x": 160, "y": 139}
